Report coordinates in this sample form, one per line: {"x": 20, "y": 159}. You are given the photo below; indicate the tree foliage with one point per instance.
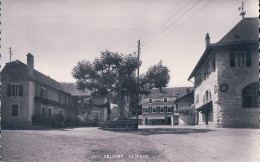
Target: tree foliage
{"x": 158, "y": 76}
{"x": 114, "y": 73}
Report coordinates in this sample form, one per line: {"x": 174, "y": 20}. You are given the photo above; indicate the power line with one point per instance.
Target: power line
{"x": 175, "y": 21}
{"x": 149, "y": 31}
{"x": 181, "y": 23}
{"x": 176, "y": 13}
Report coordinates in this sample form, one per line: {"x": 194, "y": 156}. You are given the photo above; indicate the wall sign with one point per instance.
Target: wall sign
{"x": 223, "y": 87}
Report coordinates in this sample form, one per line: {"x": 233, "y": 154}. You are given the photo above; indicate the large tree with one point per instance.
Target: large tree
{"x": 99, "y": 76}
{"x": 111, "y": 73}
{"x": 115, "y": 74}
{"x": 158, "y": 76}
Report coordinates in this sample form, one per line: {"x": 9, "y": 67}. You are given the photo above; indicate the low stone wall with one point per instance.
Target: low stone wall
{"x": 120, "y": 124}
{"x": 16, "y": 124}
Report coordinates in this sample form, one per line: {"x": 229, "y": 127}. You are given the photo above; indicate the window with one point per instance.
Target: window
{"x": 207, "y": 96}
{"x": 240, "y": 59}
{"x": 177, "y": 107}
{"x": 50, "y": 112}
{"x": 43, "y": 93}
{"x": 150, "y": 100}
{"x": 146, "y": 110}
{"x": 61, "y": 111}
{"x": 169, "y": 109}
{"x": 43, "y": 111}
{"x": 154, "y": 110}
{"x": 213, "y": 64}
{"x": 14, "y": 90}
{"x": 250, "y": 95}
{"x": 165, "y": 99}
{"x": 15, "y": 111}
{"x": 59, "y": 99}
{"x": 162, "y": 110}
{"x": 150, "y": 109}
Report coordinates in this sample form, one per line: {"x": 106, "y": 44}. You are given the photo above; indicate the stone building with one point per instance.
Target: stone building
{"x": 227, "y": 78}
{"x": 159, "y": 108}
{"x": 86, "y": 106}
{"x": 27, "y": 92}
{"x": 186, "y": 108}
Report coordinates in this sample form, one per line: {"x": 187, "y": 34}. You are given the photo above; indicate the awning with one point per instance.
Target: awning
{"x": 206, "y": 106}
{"x": 156, "y": 117}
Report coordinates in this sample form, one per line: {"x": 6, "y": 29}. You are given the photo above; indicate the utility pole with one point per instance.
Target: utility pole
{"x": 138, "y": 56}
{"x": 10, "y": 53}
{"x": 242, "y": 13}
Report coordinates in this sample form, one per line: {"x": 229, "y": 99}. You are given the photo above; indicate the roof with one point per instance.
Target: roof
{"x": 182, "y": 97}
{"x": 168, "y": 92}
{"x": 38, "y": 76}
{"x": 72, "y": 89}
{"x": 246, "y": 31}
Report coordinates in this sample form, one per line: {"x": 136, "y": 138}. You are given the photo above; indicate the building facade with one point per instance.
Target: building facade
{"x": 227, "y": 78}
{"x": 159, "y": 108}
{"x": 186, "y": 108}
{"x": 26, "y": 93}
{"x": 85, "y": 106}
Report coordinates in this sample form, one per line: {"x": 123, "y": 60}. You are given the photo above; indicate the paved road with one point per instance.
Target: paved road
{"x": 150, "y": 143}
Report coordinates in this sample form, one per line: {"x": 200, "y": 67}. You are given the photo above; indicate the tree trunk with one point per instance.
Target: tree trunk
{"x": 122, "y": 106}
{"x": 108, "y": 108}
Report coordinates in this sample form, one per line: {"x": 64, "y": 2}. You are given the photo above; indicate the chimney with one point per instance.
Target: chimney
{"x": 30, "y": 63}
{"x": 207, "y": 40}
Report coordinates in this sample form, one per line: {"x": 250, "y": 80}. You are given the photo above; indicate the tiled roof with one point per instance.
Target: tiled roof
{"x": 40, "y": 77}
{"x": 246, "y": 31}
{"x": 72, "y": 89}
{"x": 188, "y": 94}
{"x": 168, "y": 92}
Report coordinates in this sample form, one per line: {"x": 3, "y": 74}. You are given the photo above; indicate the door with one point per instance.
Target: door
{"x": 206, "y": 117}
{"x": 169, "y": 121}
{"x": 146, "y": 121}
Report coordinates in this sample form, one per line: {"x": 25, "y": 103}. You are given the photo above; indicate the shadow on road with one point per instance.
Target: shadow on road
{"x": 154, "y": 131}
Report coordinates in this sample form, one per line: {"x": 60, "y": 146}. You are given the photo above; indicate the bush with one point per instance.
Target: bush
{"x": 88, "y": 121}
{"x": 55, "y": 121}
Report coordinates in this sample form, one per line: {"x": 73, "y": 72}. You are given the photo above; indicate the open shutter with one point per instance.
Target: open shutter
{"x": 8, "y": 90}
{"x": 20, "y": 90}
{"x": 248, "y": 59}
{"x": 232, "y": 59}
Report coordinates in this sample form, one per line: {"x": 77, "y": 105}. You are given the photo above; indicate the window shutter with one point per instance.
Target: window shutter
{"x": 248, "y": 59}
{"x": 232, "y": 59}
{"x": 20, "y": 90}
{"x": 8, "y": 90}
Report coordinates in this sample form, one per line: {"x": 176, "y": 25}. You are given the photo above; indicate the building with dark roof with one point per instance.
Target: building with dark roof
{"x": 186, "y": 110}
{"x": 85, "y": 105}
{"x": 227, "y": 78}
{"x": 159, "y": 108}
{"x": 27, "y": 92}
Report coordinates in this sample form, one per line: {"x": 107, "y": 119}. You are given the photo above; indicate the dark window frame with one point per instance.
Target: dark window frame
{"x": 250, "y": 96}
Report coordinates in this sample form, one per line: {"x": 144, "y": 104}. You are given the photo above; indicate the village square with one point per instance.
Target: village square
{"x": 114, "y": 109}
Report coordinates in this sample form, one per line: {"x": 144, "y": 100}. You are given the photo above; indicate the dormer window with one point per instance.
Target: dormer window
{"x": 165, "y": 99}
{"x": 150, "y": 100}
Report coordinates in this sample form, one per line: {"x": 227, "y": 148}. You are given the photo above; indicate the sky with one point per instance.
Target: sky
{"x": 59, "y": 33}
